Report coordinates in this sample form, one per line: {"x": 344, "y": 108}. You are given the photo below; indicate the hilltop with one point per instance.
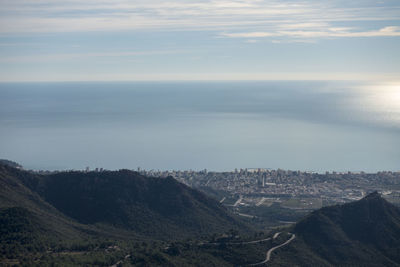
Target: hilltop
{"x": 10, "y": 163}
{"x": 148, "y": 206}
{"x": 157, "y": 207}
{"x": 76, "y": 218}
{"x": 361, "y": 233}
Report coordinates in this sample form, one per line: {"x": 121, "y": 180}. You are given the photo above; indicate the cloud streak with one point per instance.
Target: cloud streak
{"x": 247, "y": 18}
{"x": 389, "y": 31}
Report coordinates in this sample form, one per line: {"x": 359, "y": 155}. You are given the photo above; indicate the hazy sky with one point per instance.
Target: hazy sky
{"x": 185, "y": 39}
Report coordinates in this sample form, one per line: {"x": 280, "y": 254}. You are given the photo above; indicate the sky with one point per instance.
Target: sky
{"x": 119, "y": 40}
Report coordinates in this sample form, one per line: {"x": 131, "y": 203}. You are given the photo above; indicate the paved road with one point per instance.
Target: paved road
{"x": 255, "y": 241}
{"x": 246, "y": 242}
{"x": 238, "y": 201}
{"x": 239, "y": 243}
{"x": 261, "y": 202}
{"x": 121, "y": 261}
{"x": 245, "y": 215}
{"x": 268, "y": 256}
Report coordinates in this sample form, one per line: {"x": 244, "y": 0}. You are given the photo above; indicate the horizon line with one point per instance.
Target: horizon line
{"x": 201, "y": 77}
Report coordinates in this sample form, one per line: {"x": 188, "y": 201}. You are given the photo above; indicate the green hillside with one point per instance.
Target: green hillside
{"x": 154, "y": 207}
{"x": 110, "y": 217}
{"x": 72, "y": 218}
{"x": 361, "y": 233}
{"x": 15, "y": 194}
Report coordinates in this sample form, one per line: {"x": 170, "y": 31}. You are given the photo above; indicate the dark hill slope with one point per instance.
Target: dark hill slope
{"x": 20, "y": 231}
{"x": 27, "y": 222}
{"x": 153, "y": 207}
{"x": 10, "y": 163}
{"x": 15, "y": 194}
{"x": 361, "y": 233}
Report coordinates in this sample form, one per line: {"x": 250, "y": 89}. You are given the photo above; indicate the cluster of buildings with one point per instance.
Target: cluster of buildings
{"x": 259, "y": 183}
{"x": 334, "y": 187}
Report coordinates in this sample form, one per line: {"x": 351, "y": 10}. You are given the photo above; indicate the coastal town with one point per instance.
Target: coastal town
{"x": 260, "y": 186}
{"x": 296, "y": 190}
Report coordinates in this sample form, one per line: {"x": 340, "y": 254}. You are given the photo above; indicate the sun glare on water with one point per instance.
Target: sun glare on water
{"x": 383, "y": 100}
{"x": 391, "y": 96}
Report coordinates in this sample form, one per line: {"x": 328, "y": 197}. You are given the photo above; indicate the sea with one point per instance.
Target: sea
{"x": 194, "y": 125}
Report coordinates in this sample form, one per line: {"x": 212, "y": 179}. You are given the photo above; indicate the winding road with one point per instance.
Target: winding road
{"x": 121, "y": 261}
{"x": 268, "y": 256}
{"x": 261, "y": 202}
{"x": 238, "y": 243}
{"x": 245, "y": 242}
{"x": 238, "y": 201}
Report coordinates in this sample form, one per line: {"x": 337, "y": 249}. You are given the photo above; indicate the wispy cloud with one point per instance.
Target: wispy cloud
{"x": 389, "y": 31}
{"x": 251, "y": 34}
{"x": 259, "y": 18}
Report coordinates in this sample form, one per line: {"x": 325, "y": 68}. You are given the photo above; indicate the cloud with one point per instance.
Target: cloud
{"x": 26, "y": 16}
{"x": 251, "y": 34}
{"x": 307, "y": 25}
{"x": 389, "y": 31}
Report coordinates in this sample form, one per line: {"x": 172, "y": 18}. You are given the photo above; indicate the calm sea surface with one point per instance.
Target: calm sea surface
{"x": 315, "y": 126}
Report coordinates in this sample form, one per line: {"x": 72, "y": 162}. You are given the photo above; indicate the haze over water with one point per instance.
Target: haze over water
{"x": 297, "y": 125}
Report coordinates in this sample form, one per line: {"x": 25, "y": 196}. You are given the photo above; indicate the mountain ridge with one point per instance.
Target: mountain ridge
{"x": 149, "y": 206}
{"x": 361, "y": 233}
{"x": 96, "y": 209}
